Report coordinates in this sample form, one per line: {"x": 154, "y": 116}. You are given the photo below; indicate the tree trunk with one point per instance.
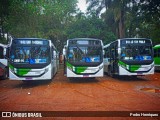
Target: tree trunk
{"x": 121, "y": 25}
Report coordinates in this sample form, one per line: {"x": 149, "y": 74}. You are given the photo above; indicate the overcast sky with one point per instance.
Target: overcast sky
{"x": 82, "y": 5}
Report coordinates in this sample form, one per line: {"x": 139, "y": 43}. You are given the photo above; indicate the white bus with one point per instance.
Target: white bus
{"x": 3, "y": 61}
{"x": 83, "y": 57}
{"x": 129, "y": 56}
{"x": 32, "y": 59}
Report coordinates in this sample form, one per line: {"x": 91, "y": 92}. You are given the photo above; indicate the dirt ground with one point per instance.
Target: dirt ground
{"x": 87, "y": 95}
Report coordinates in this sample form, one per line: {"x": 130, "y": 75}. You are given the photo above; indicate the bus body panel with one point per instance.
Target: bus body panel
{"x": 39, "y": 74}
{"x": 83, "y": 57}
{"x": 86, "y": 72}
{"x": 23, "y": 72}
{"x": 142, "y": 70}
{"x": 3, "y": 60}
{"x": 129, "y": 56}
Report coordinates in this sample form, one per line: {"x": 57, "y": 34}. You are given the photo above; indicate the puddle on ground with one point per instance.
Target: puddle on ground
{"x": 153, "y": 90}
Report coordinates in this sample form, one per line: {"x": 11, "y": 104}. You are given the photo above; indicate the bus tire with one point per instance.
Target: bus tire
{"x": 109, "y": 71}
{"x": 5, "y": 75}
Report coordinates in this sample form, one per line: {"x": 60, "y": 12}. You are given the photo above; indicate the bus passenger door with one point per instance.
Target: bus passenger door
{"x": 114, "y": 60}
{"x": 64, "y": 60}
{"x": 54, "y": 62}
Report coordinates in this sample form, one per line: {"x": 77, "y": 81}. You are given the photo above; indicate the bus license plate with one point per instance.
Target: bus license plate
{"x": 85, "y": 75}
{"x": 139, "y": 73}
{"x": 28, "y": 78}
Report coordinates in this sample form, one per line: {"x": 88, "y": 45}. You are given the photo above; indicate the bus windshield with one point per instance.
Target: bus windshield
{"x": 84, "y": 54}
{"x": 136, "y": 52}
{"x": 30, "y": 54}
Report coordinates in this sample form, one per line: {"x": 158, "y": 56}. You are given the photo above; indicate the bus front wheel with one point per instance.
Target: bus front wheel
{"x": 5, "y": 75}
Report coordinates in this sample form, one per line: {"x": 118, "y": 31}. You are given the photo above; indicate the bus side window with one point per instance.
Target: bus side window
{"x": 123, "y": 53}
{"x": 1, "y": 53}
{"x": 54, "y": 54}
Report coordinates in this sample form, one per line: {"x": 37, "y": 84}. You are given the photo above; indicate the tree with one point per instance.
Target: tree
{"x": 4, "y": 6}
{"x": 114, "y": 15}
{"x": 130, "y": 17}
{"x": 90, "y": 27}
{"x": 144, "y": 15}
{"x": 40, "y": 18}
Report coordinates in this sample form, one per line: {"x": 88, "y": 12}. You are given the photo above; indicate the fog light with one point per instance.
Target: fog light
{"x": 46, "y": 70}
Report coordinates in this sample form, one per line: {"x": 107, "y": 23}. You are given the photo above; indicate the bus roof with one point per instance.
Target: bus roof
{"x": 84, "y": 39}
{"x": 134, "y": 38}
{"x": 10, "y": 43}
{"x": 30, "y": 38}
{"x": 126, "y": 39}
{"x": 106, "y": 45}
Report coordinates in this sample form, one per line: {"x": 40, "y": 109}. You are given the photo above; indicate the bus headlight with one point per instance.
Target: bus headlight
{"x": 73, "y": 69}
{"x": 15, "y": 70}
{"x": 46, "y": 70}
{"x": 100, "y": 67}
{"x": 152, "y": 65}
{"x": 12, "y": 70}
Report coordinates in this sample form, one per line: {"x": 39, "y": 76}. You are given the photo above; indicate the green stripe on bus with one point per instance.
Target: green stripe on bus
{"x": 76, "y": 69}
{"x": 11, "y": 67}
{"x": 130, "y": 67}
{"x": 122, "y": 64}
{"x": 80, "y": 69}
{"x": 69, "y": 65}
{"x": 134, "y": 67}
{"x": 22, "y": 72}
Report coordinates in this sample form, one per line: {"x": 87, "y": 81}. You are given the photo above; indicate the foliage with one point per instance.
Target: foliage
{"x": 114, "y": 15}
{"x": 3, "y": 40}
{"x": 40, "y": 18}
{"x": 60, "y": 20}
{"x": 90, "y": 27}
{"x": 144, "y": 15}
{"x": 129, "y": 15}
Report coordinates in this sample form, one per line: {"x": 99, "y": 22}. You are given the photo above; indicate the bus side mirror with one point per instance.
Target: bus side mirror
{"x": 64, "y": 51}
{"x": 119, "y": 51}
{"x": 103, "y": 52}
{"x": 6, "y": 53}
{"x": 54, "y": 55}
